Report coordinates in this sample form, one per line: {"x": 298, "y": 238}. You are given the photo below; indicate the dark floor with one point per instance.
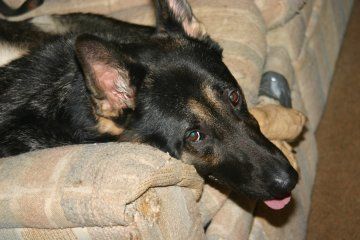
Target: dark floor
{"x": 335, "y": 210}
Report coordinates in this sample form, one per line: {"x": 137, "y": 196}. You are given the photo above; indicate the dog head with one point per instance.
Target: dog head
{"x": 186, "y": 103}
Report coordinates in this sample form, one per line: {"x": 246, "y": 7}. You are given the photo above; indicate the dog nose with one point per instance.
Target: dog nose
{"x": 284, "y": 182}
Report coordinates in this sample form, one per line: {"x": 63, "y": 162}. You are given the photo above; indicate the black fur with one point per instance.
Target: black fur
{"x": 50, "y": 98}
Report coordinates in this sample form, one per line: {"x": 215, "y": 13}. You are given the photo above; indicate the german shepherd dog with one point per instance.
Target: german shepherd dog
{"x": 87, "y": 78}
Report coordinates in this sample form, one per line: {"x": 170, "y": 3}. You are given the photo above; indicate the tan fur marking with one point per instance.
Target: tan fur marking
{"x": 211, "y": 159}
{"x": 104, "y": 109}
{"x": 200, "y": 111}
{"x": 191, "y": 157}
{"x": 49, "y": 24}
{"x": 211, "y": 97}
{"x": 106, "y": 125}
{"x": 9, "y": 53}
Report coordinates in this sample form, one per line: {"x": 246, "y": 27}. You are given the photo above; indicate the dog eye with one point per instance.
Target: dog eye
{"x": 234, "y": 97}
{"x": 195, "y": 136}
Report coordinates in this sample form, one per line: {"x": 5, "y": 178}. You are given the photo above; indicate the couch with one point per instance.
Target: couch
{"x": 132, "y": 191}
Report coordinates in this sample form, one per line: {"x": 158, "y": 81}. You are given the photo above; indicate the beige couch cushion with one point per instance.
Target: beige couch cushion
{"x": 99, "y": 185}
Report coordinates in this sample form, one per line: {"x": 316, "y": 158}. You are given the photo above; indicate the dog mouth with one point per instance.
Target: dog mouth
{"x": 275, "y": 203}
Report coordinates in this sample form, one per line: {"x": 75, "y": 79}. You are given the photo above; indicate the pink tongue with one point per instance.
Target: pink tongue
{"x": 278, "y": 204}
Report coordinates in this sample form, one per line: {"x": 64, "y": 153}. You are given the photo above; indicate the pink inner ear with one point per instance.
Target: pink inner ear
{"x": 179, "y": 9}
{"x": 194, "y": 28}
{"x": 115, "y": 85}
{"x": 189, "y": 22}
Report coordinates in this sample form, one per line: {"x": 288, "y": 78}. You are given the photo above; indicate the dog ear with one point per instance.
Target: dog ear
{"x": 177, "y": 16}
{"x": 106, "y": 75}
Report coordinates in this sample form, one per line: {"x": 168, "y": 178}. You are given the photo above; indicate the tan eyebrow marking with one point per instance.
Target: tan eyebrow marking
{"x": 199, "y": 110}
{"x": 213, "y": 99}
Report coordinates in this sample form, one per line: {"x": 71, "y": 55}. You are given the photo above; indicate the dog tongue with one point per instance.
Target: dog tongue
{"x": 278, "y": 204}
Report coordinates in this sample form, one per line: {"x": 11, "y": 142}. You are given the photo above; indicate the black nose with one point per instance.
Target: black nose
{"x": 283, "y": 182}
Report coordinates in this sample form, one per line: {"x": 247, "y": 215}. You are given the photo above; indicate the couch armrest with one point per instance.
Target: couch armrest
{"x": 90, "y": 185}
